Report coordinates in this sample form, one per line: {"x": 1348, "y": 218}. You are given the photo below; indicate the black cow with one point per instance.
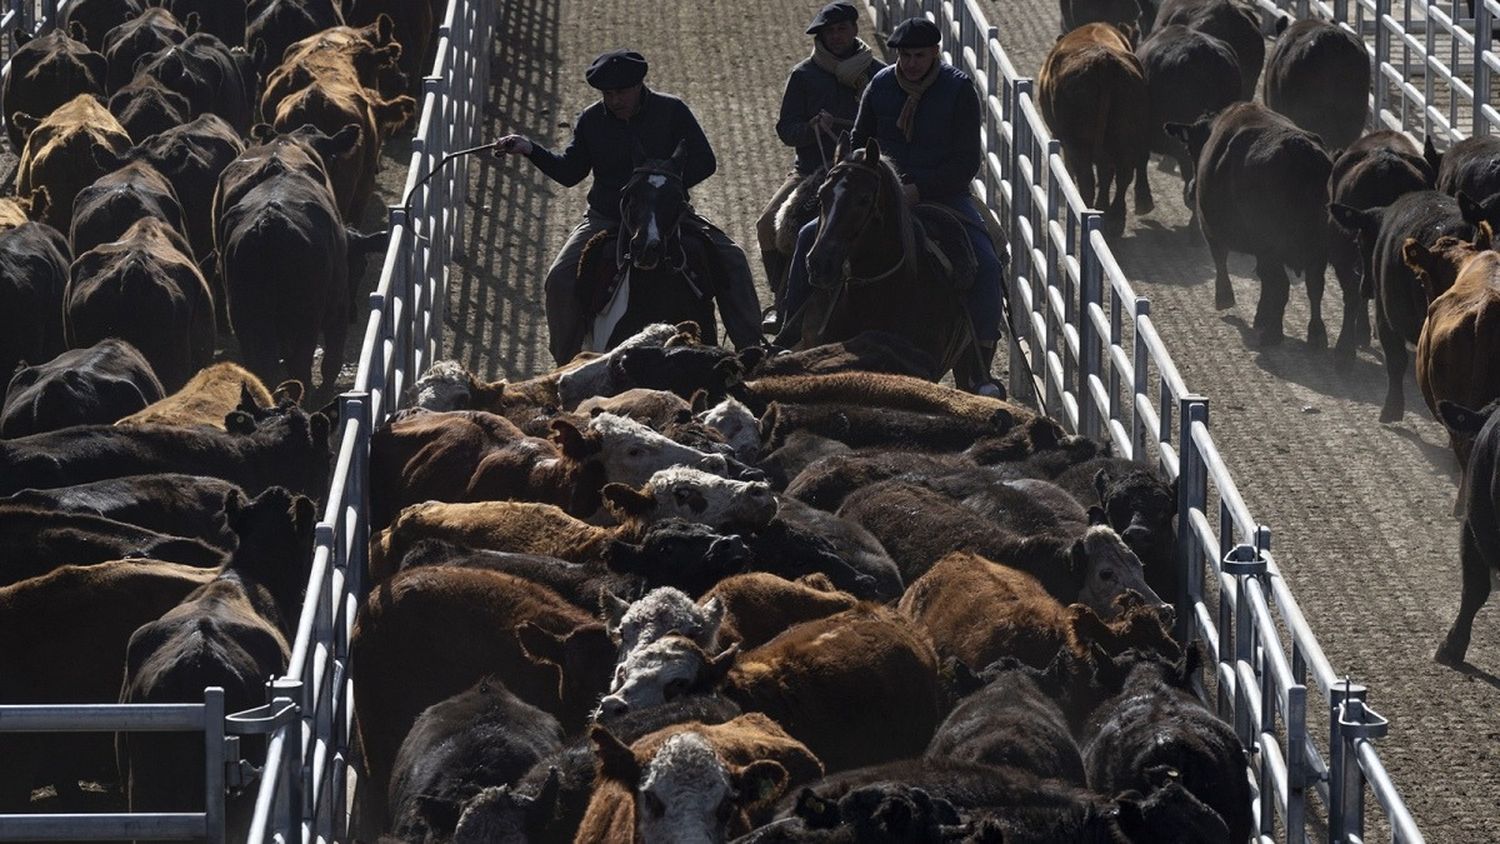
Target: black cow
{"x": 290, "y": 448}
{"x": 867, "y": 351}
{"x": 96, "y": 18}
{"x": 1400, "y": 301}
{"x": 46, "y": 72}
{"x": 690, "y": 556}
{"x": 1139, "y": 505}
{"x": 484, "y": 736}
{"x": 144, "y": 288}
{"x": 1076, "y": 13}
{"x": 214, "y": 79}
{"x": 225, "y": 19}
{"x": 868, "y": 427}
{"x": 579, "y": 583}
{"x": 146, "y": 107}
{"x": 232, "y": 632}
{"x": 98, "y": 385}
{"x": 802, "y": 539}
{"x": 1471, "y": 166}
{"x": 153, "y": 30}
{"x": 1014, "y": 721}
{"x": 1373, "y": 172}
{"x": 1262, "y": 188}
{"x": 283, "y": 254}
{"x": 34, "y": 542}
{"x": 1236, "y": 24}
{"x": 1155, "y": 726}
{"x": 1480, "y": 535}
{"x": 280, "y": 23}
{"x": 1189, "y": 74}
{"x": 34, "y": 260}
{"x": 1318, "y": 75}
{"x": 683, "y": 370}
{"x": 191, "y": 506}
{"x": 801, "y": 449}
{"x": 105, "y": 210}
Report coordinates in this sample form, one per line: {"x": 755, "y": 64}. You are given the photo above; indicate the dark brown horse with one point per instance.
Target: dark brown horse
{"x": 873, "y": 267}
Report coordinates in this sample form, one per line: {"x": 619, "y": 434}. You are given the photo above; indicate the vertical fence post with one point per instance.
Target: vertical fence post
{"x": 1192, "y": 494}
{"x": 1346, "y": 786}
{"x": 1022, "y": 387}
{"x": 1091, "y": 275}
{"x": 1382, "y": 58}
{"x": 213, "y": 763}
{"x": 1140, "y": 363}
{"x": 1483, "y": 44}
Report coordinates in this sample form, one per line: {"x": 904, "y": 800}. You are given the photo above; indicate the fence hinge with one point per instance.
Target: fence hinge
{"x": 1244, "y": 559}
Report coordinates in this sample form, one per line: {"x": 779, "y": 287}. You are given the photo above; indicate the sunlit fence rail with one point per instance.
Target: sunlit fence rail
{"x": 1084, "y": 348}
{"x": 302, "y": 788}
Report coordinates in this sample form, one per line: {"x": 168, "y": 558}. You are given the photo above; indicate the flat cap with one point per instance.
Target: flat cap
{"x": 616, "y": 69}
{"x": 914, "y": 32}
{"x": 833, "y": 13}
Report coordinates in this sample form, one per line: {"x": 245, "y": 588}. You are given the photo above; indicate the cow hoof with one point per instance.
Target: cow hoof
{"x": 1266, "y": 338}
{"x": 1343, "y": 356}
{"x": 1391, "y": 414}
{"x": 1448, "y": 655}
{"x": 1317, "y": 336}
{"x": 1144, "y": 205}
{"x": 1224, "y": 301}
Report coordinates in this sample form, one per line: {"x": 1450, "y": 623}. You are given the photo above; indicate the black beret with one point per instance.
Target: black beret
{"x": 616, "y": 69}
{"x": 915, "y": 32}
{"x": 833, "y": 13}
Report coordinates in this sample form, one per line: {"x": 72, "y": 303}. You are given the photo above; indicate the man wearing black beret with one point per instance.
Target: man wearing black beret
{"x": 925, "y": 114}
{"x": 822, "y": 97}
{"x": 629, "y": 123}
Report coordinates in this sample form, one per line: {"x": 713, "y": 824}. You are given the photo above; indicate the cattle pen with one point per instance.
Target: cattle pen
{"x": 461, "y": 278}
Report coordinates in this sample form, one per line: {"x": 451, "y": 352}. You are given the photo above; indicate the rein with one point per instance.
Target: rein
{"x": 861, "y": 281}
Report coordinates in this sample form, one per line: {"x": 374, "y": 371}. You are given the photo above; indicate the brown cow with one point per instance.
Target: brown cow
{"x": 979, "y": 611}
{"x": 212, "y": 394}
{"x": 1092, "y": 93}
{"x": 59, "y": 153}
{"x": 758, "y": 606}
{"x": 415, "y": 22}
{"x": 431, "y": 632}
{"x": 872, "y": 389}
{"x": 858, "y": 688}
{"x": 693, "y": 779}
{"x": 144, "y": 289}
{"x": 364, "y": 56}
{"x": 75, "y": 663}
{"x": 1458, "y": 345}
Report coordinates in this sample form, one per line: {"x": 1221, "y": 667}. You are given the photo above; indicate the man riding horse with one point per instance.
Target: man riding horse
{"x": 630, "y": 124}
{"x": 821, "y": 99}
{"x": 924, "y": 114}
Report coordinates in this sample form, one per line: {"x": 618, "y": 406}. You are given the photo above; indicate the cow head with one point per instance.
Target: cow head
{"x": 886, "y": 811}
{"x": 275, "y": 533}
{"x": 632, "y": 452}
{"x": 682, "y": 369}
{"x": 737, "y": 424}
{"x": 582, "y": 658}
{"x": 672, "y": 667}
{"x": 1141, "y": 507}
{"x": 503, "y": 815}
{"x": 662, "y": 611}
{"x": 1105, "y": 568}
{"x": 1170, "y": 814}
{"x": 685, "y": 792}
{"x": 1438, "y": 267}
{"x": 600, "y": 377}
{"x": 1192, "y": 135}
{"x": 688, "y": 555}
{"x": 446, "y": 385}
{"x": 694, "y": 495}
{"x": 1464, "y": 427}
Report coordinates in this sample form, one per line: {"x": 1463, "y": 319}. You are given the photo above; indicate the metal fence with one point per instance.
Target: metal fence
{"x": 1084, "y": 349}
{"x": 304, "y": 784}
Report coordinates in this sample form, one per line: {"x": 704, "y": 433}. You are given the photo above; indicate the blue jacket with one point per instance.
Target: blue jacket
{"x": 944, "y": 153}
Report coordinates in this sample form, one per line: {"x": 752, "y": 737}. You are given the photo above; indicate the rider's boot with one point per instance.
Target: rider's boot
{"x": 973, "y": 372}
{"x": 775, "y": 264}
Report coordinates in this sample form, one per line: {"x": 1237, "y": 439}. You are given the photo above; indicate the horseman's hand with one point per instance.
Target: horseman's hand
{"x": 910, "y": 192}
{"x": 513, "y": 145}
{"x": 822, "y": 121}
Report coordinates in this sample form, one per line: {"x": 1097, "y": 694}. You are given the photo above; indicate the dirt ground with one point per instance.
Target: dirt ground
{"x": 1360, "y": 510}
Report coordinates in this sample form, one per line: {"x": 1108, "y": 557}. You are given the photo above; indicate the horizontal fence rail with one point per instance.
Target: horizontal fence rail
{"x": 301, "y": 790}
{"x": 1085, "y": 350}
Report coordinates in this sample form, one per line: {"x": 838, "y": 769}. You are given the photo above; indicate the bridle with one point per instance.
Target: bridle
{"x": 873, "y": 215}
{"x": 636, "y": 177}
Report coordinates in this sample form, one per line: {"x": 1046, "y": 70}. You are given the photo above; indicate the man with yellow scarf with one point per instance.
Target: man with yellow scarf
{"x": 822, "y": 98}
{"x": 925, "y": 114}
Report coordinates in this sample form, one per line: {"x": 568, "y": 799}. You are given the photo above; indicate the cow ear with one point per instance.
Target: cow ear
{"x": 263, "y": 133}
{"x": 539, "y": 645}
{"x": 247, "y": 399}
{"x": 718, "y": 666}
{"x": 438, "y": 812}
{"x": 1045, "y": 434}
{"x": 288, "y": 392}
{"x": 575, "y": 444}
{"x": 1355, "y": 220}
{"x": 957, "y": 680}
{"x": 750, "y": 357}
{"x": 1431, "y": 155}
{"x": 234, "y": 502}
{"x": 1484, "y": 236}
{"x": 1423, "y": 262}
{"x": 760, "y": 782}
{"x": 38, "y": 203}
{"x": 24, "y": 122}
{"x": 689, "y": 331}
{"x": 769, "y": 421}
{"x": 729, "y": 371}
{"x": 1181, "y": 132}
{"x": 192, "y": 23}
{"x": 320, "y": 424}
{"x": 1102, "y": 479}
{"x": 615, "y": 760}
{"x": 699, "y": 401}
{"x": 1097, "y": 516}
{"x": 841, "y": 149}
{"x": 1459, "y": 419}
{"x": 627, "y": 502}
{"x": 1471, "y": 211}
{"x": 258, "y": 52}
{"x": 1281, "y": 23}
{"x": 816, "y": 811}
{"x": 239, "y": 422}
{"x": 20, "y": 37}
{"x": 339, "y": 144}
{"x": 612, "y": 609}
{"x": 303, "y": 513}
{"x": 385, "y": 28}
{"x": 77, "y": 31}
{"x": 1087, "y": 627}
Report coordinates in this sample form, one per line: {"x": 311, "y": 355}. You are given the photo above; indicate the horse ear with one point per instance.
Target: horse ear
{"x": 872, "y": 150}
{"x": 679, "y": 155}
{"x": 841, "y": 149}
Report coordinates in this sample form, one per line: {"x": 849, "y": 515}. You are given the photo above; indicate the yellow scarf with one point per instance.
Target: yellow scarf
{"x": 853, "y": 72}
{"x": 914, "y": 92}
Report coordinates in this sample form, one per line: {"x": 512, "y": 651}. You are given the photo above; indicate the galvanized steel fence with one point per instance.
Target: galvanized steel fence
{"x": 1084, "y": 349}
{"x": 303, "y": 786}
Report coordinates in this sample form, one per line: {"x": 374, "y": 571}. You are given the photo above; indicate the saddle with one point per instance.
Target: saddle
{"x": 942, "y": 239}
{"x": 600, "y": 272}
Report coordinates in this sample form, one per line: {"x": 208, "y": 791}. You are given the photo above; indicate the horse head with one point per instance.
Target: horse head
{"x": 651, "y": 207}
{"x": 861, "y": 189}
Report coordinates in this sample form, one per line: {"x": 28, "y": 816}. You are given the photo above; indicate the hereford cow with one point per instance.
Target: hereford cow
{"x": 1373, "y": 172}
{"x": 105, "y": 210}
{"x": 813, "y": 679}
{"x": 153, "y": 30}
{"x": 1234, "y": 23}
{"x": 1092, "y": 93}
{"x": 34, "y": 260}
{"x": 189, "y": 506}
{"x": 1318, "y": 75}
{"x": 211, "y": 395}
{"x": 481, "y": 737}
{"x": 213, "y": 78}
{"x": 46, "y": 72}
{"x": 232, "y": 632}
{"x": 289, "y": 449}
{"x": 98, "y": 17}
{"x": 145, "y": 289}
{"x": 75, "y": 663}
{"x": 1188, "y": 74}
{"x": 1139, "y": 505}
{"x": 1400, "y": 301}
{"x": 1479, "y": 498}
{"x": 59, "y": 152}
{"x": 92, "y": 386}
{"x": 660, "y": 612}
{"x": 1262, "y": 188}
{"x": 694, "y": 495}
{"x": 552, "y": 654}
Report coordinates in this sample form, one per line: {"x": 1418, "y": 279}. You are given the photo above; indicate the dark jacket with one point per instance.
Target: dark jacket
{"x": 809, "y": 90}
{"x": 944, "y": 153}
{"x": 610, "y": 148}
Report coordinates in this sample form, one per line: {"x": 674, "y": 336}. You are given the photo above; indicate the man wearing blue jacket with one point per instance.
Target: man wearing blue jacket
{"x": 925, "y": 114}
{"x": 630, "y": 122}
